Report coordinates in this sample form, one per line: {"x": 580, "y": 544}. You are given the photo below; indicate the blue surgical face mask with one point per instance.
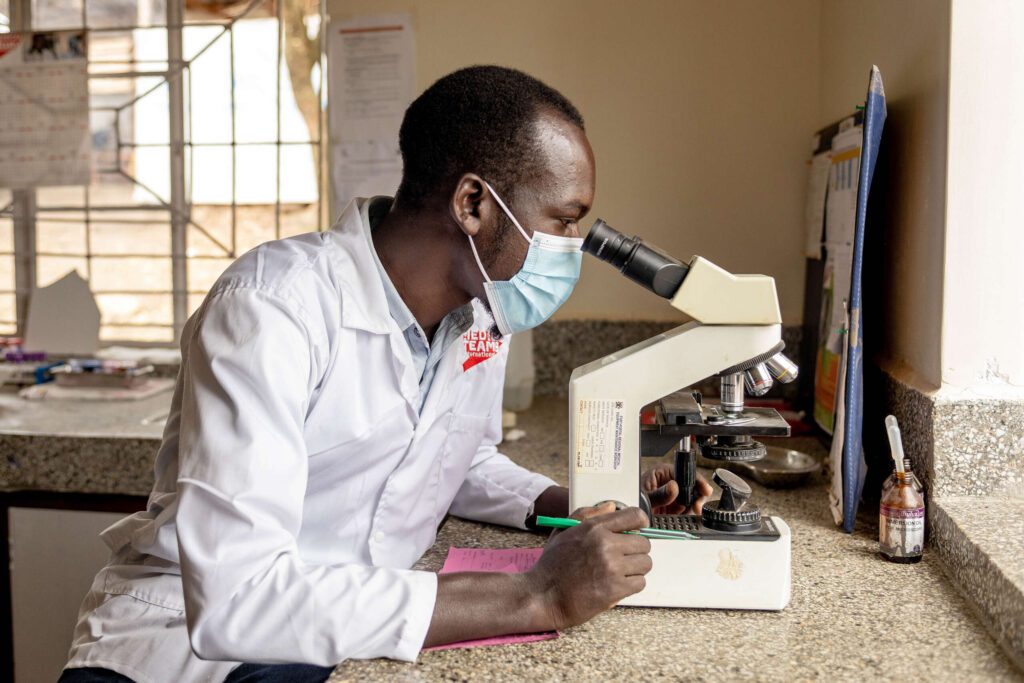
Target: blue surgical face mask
{"x": 545, "y": 281}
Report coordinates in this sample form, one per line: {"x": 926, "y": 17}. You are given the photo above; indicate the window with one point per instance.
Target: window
{"x": 239, "y": 90}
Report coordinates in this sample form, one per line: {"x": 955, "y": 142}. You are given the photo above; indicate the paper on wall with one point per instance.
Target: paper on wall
{"x": 44, "y": 109}
{"x": 840, "y": 226}
{"x": 371, "y": 82}
{"x": 364, "y": 169}
{"x": 844, "y": 171}
{"x": 814, "y": 208}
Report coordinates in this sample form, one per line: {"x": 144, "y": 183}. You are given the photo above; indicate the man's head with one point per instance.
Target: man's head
{"x": 476, "y": 120}
{"x": 484, "y": 132}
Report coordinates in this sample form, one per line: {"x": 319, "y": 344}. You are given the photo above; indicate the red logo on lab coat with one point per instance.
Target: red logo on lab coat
{"x": 480, "y": 345}
{"x": 9, "y": 42}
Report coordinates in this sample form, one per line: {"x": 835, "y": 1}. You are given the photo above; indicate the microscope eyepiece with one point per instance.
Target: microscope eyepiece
{"x": 642, "y": 263}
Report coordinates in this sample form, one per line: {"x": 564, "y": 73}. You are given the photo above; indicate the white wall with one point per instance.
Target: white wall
{"x": 700, "y": 115}
{"x": 909, "y": 41}
{"x": 983, "y": 306}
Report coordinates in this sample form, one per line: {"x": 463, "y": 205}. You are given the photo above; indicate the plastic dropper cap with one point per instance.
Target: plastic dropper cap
{"x": 892, "y": 427}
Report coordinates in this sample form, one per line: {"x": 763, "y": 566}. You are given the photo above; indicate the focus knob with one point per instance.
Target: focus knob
{"x": 731, "y": 512}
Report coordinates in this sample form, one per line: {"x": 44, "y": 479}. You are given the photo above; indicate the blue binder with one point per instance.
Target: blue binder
{"x": 874, "y": 119}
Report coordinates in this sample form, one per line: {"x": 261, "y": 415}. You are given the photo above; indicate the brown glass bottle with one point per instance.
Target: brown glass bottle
{"x": 901, "y": 520}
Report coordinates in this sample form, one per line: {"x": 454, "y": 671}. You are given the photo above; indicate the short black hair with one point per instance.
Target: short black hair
{"x": 481, "y": 120}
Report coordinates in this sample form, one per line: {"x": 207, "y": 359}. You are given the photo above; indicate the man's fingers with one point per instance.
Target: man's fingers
{"x": 704, "y": 491}
{"x": 657, "y": 475}
{"x": 630, "y": 544}
{"x": 664, "y": 495}
{"x": 586, "y": 513}
{"x": 704, "y": 487}
{"x": 636, "y": 565}
{"x": 624, "y": 520}
{"x": 635, "y": 584}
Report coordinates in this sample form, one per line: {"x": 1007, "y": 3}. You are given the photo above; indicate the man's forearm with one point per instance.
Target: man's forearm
{"x": 474, "y": 605}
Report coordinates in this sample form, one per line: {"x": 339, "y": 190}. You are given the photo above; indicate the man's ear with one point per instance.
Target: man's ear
{"x": 468, "y": 206}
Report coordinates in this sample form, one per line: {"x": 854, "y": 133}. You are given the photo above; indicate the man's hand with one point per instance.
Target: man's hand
{"x": 661, "y": 487}
{"x": 588, "y": 568}
{"x": 583, "y": 570}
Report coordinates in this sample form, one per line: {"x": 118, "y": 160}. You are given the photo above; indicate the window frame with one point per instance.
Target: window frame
{"x": 24, "y": 211}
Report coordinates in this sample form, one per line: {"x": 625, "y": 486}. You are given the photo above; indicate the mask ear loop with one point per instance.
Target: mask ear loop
{"x": 479, "y": 263}
{"x": 508, "y": 212}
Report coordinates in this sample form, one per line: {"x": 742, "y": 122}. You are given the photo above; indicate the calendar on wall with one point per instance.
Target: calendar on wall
{"x": 44, "y": 109}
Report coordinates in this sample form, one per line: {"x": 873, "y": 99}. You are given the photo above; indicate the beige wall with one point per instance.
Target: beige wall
{"x": 983, "y": 307}
{"x": 909, "y": 41}
{"x": 699, "y": 113}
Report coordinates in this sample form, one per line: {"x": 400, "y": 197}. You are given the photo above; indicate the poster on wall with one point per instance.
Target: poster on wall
{"x": 44, "y": 109}
{"x": 371, "y": 82}
{"x": 840, "y": 213}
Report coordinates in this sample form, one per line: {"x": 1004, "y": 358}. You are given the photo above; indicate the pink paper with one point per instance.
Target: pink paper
{"x": 490, "y": 559}
{"x": 493, "y": 560}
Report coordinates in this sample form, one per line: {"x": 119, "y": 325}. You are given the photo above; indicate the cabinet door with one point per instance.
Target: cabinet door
{"x": 54, "y": 556}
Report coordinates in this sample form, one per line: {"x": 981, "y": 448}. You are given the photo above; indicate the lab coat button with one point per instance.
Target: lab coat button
{"x": 379, "y": 537}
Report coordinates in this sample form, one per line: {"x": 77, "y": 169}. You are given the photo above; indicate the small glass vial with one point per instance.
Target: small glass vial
{"x": 901, "y": 518}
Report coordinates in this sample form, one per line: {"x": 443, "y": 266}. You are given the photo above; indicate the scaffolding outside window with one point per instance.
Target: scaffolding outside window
{"x": 238, "y": 89}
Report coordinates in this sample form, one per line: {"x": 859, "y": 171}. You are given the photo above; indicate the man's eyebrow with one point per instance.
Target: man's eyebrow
{"x": 577, "y": 205}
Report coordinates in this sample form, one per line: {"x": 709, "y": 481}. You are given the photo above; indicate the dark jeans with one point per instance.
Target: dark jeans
{"x": 247, "y": 673}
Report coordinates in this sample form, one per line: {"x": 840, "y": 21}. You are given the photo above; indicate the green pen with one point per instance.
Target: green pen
{"x": 565, "y": 523}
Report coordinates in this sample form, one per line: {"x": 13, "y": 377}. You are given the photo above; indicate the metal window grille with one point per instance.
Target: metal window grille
{"x": 171, "y": 201}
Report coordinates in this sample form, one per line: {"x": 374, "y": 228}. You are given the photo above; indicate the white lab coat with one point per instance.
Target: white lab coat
{"x": 296, "y": 483}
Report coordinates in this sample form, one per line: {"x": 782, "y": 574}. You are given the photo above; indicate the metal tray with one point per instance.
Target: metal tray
{"x": 780, "y": 468}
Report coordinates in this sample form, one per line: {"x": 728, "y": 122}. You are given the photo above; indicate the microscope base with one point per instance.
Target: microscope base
{"x": 718, "y": 574}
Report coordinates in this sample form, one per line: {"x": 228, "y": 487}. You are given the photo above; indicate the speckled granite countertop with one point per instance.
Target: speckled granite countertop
{"x": 853, "y": 616}
{"x": 80, "y": 446}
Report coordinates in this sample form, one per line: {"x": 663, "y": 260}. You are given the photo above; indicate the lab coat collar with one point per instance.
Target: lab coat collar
{"x": 366, "y": 306}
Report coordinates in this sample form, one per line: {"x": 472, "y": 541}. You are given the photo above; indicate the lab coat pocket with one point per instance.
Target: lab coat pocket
{"x": 462, "y": 443}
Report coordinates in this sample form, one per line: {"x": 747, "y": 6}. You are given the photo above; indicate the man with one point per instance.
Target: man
{"x": 339, "y": 394}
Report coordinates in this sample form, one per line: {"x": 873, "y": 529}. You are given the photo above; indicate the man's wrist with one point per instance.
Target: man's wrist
{"x": 552, "y": 502}
{"x": 536, "y": 606}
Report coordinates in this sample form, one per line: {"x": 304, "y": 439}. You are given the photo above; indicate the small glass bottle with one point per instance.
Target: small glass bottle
{"x": 901, "y": 518}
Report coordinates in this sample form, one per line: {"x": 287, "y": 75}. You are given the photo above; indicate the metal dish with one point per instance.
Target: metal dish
{"x": 780, "y": 468}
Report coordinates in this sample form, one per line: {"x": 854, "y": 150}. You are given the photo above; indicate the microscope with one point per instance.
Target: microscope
{"x": 730, "y": 556}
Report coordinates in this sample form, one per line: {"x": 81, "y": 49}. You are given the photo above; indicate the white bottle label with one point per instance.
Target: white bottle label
{"x": 901, "y": 531}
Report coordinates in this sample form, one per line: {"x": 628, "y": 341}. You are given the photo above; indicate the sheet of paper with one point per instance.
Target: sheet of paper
{"x": 365, "y": 169}
{"x": 371, "y": 82}
{"x": 840, "y": 223}
{"x": 835, "y": 456}
{"x": 844, "y": 174}
{"x": 493, "y": 560}
{"x": 814, "y": 209}
{"x": 63, "y": 318}
{"x": 44, "y": 109}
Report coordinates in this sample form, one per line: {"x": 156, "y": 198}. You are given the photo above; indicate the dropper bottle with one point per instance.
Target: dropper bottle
{"x": 901, "y": 512}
